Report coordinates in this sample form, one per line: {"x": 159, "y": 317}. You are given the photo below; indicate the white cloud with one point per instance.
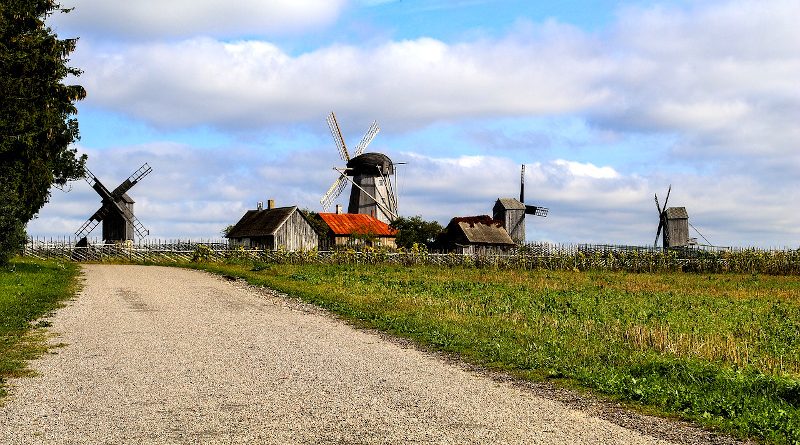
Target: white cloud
{"x": 251, "y": 83}
{"x": 722, "y": 76}
{"x": 587, "y": 170}
{"x": 151, "y": 19}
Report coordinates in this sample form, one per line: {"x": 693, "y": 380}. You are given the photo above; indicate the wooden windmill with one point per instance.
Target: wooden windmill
{"x": 511, "y": 213}
{"x": 370, "y": 175}
{"x": 116, "y": 213}
{"x": 674, "y": 221}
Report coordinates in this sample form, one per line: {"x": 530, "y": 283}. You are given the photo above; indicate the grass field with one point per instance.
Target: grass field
{"x": 723, "y": 350}
{"x": 29, "y": 289}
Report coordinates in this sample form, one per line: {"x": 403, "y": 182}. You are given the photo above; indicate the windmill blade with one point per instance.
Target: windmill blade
{"x": 97, "y": 185}
{"x": 536, "y": 211}
{"x": 337, "y": 136}
{"x": 90, "y": 177}
{"x": 658, "y": 206}
{"x": 137, "y": 225}
{"x": 658, "y": 232}
{"x": 368, "y": 137}
{"x": 334, "y": 191}
{"x": 667, "y": 199}
{"x": 87, "y": 228}
{"x": 137, "y": 176}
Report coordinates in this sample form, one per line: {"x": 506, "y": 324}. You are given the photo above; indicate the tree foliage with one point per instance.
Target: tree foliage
{"x": 37, "y": 126}
{"x": 415, "y": 230}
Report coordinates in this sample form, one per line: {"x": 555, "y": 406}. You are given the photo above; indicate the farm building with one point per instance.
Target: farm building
{"x": 274, "y": 228}
{"x": 475, "y": 235}
{"x": 350, "y": 229}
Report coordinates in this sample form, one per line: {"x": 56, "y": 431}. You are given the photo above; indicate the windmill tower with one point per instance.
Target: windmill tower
{"x": 675, "y": 224}
{"x": 511, "y": 213}
{"x": 370, "y": 175}
{"x": 116, "y": 213}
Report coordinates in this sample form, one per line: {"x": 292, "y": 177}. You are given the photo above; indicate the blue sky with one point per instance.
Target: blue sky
{"x": 606, "y": 102}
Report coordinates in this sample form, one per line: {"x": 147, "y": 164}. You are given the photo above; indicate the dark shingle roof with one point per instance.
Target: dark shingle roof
{"x": 478, "y": 230}
{"x": 356, "y": 224}
{"x": 510, "y": 204}
{"x": 677, "y": 213}
{"x": 261, "y": 222}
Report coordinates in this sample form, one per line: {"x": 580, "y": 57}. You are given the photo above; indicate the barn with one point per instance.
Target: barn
{"x": 274, "y": 228}
{"x": 475, "y": 235}
{"x": 353, "y": 230}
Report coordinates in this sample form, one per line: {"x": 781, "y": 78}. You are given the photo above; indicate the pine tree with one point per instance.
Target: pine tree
{"x": 37, "y": 126}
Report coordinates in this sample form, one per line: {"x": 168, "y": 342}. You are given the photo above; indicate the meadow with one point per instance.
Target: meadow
{"x": 29, "y": 290}
{"x": 719, "y": 349}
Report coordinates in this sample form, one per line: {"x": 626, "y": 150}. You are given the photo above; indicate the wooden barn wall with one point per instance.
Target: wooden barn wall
{"x": 381, "y": 241}
{"x": 678, "y": 232}
{"x": 296, "y": 234}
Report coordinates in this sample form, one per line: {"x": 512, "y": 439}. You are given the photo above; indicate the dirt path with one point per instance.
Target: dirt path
{"x": 162, "y": 355}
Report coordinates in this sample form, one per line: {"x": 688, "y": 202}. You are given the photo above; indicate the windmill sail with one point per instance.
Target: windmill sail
{"x": 336, "y": 132}
{"x": 368, "y": 137}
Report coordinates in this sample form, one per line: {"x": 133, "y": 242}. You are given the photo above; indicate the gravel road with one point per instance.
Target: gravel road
{"x": 163, "y": 355}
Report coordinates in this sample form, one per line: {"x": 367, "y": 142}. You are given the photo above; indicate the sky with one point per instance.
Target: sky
{"x": 606, "y": 102}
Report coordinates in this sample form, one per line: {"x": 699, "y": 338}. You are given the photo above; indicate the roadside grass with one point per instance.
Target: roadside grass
{"x": 722, "y": 350}
{"x": 29, "y": 290}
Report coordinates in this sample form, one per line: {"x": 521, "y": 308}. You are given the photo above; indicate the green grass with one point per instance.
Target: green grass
{"x": 723, "y": 350}
{"x": 29, "y": 290}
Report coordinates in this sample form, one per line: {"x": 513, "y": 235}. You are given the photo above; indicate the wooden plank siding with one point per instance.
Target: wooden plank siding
{"x": 295, "y": 234}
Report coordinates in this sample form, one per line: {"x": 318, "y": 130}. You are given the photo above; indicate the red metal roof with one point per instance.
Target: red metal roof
{"x": 356, "y": 224}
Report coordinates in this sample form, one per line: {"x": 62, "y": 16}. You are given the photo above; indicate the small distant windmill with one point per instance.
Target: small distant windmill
{"x": 116, "y": 213}
{"x": 675, "y": 224}
{"x": 369, "y": 173}
{"x": 512, "y": 213}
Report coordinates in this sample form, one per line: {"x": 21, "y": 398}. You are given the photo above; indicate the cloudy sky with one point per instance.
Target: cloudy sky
{"x": 606, "y": 101}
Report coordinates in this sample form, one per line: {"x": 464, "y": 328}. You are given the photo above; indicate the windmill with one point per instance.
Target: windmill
{"x": 674, "y": 221}
{"x": 370, "y": 174}
{"x": 116, "y": 213}
{"x": 512, "y": 213}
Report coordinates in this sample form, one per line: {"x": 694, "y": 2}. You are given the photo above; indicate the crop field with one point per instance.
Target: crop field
{"x": 29, "y": 289}
{"x": 720, "y": 349}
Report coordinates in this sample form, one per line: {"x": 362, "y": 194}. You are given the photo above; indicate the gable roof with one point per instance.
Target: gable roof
{"x": 677, "y": 213}
{"x": 356, "y": 224}
{"x": 260, "y": 222}
{"x": 479, "y": 230}
{"x": 509, "y": 204}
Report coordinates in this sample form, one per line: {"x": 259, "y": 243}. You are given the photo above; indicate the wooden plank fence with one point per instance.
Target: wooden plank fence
{"x": 529, "y": 256}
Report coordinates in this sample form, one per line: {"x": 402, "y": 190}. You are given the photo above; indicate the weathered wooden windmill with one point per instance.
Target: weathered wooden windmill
{"x": 116, "y": 213}
{"x": 370, "y": 174}
{"x": 511, "y": 213}
{"x": 675, "y": 223}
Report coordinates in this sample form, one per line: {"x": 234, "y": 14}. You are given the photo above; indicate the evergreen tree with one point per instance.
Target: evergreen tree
{"x": 36, "y": 116}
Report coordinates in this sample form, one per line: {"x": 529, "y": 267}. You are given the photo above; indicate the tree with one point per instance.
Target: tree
{"x": 37, "y": 126}
{"x": 415, "y": 230}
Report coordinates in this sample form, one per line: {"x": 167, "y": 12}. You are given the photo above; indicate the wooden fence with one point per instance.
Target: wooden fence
{"x": 529, "y": 256}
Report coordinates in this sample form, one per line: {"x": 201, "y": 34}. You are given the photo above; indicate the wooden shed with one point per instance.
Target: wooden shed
{"x": 511, "y": 214}
{"x": 676, "y": 227}
{"x": 475, "y": 235}
{"x": 273, "y": 229}
{"x": 356, "y": 229}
